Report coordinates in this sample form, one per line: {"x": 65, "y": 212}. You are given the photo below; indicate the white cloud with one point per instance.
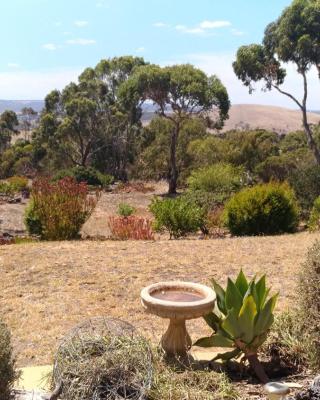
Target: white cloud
{"x": 160, "y": 25}
{"x": 35, "y": 85}
{"x": 81, "y": 24}
{"x": 13, "y": 65}
{"x": 49, "y": 46}
{"x": 205, "y": 28}
{"x": 214, "y": 24}
{"x": 236, "y": 32}
{"x": 81, "y": 42}
{"x": 103, "y": 4}
{"x": 140, "y": 49}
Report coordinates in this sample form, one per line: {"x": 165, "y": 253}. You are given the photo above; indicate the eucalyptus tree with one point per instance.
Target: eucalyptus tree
{"x": 292, "y": 39}
{"x": 179, "y": 92}
{"x": 8, "y": 127}
{"x": 85, "y": 122}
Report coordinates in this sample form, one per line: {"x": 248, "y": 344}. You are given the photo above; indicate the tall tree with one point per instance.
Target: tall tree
{"x": 8, "y": 127}
{"x": 28, "y": 116}
{"x": 86, "y": 122}
{"x": 179, "y": 93}
{"x": 292, "y": 38}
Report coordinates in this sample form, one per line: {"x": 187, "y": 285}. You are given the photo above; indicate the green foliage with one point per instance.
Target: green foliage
{"x": 308, "y": 293}
{"x": 18, "y": 183}
{"x": 314, "y": 220}
{"x": 6, "y": 189}
{"x": 262, "y": 209}
{"x": 88, "y": 175}
{"x": 125, "y": 210}
{"x": 305, "y": 181}
{"x": 243, "y": 318}
{"x": 32, "y": 220}
{"x": 178, "y": 216}
{"x": 218, "y": 178}
{"x": 58, "y": 210}
{"x": 8, "y": 373}
{"x": 276, "y": 168}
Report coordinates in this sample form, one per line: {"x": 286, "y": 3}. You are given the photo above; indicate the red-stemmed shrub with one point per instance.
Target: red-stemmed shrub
{"x": 58, "y": 210}
{"x": 132, "y": 227}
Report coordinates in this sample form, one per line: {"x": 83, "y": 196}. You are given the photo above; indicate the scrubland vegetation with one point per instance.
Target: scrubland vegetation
{"x": 89, "y": 139}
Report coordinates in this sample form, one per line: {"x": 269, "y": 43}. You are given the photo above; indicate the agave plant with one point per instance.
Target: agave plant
{"x": 241, "y": 320}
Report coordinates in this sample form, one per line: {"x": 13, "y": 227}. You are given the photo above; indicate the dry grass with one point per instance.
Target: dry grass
{"x": 47, "y": 288}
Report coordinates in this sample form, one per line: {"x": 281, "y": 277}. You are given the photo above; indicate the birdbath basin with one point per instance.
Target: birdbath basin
{"x": 178, "y": 302}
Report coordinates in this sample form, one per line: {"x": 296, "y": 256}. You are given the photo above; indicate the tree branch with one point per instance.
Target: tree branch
{"x": 288, "y": 94}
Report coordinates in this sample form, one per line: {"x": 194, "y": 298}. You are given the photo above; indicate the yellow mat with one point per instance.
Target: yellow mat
{"x": 35, "y": 378}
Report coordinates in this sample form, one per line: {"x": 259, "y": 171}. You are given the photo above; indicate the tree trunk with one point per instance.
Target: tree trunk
{"x": 258, "y": 368}
{"x": 310, "y": 140}
{"x": 173, "y": 172}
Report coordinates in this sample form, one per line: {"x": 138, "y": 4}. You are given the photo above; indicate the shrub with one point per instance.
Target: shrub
{"x": 125, "y": 210}
{"x": 305, "y": 181}
{"x": 242, "y": 321}
{"x": 131, "y": 227}
{"x": 314, "y": 220}
{"x": 309, "y": 293}
{"x": 58, "y": 210}
{"x": 8, "y": 373}
{"x": 18, "y": 183}
{"x": 85, "y": 174}
{"x": 177, "y": 216}
{"x": 262, "y": 209}
{"x": 6, "y": 189}
{"x": 276, "y": 168}
{"x": 218, "y": 178}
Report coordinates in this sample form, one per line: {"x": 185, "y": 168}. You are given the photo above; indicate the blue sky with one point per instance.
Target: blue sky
{"x": 46, "y": 43}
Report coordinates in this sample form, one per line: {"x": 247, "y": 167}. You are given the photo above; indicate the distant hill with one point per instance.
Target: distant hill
{"x": 18, "y": 105}
{"x": 277, "y": 119}
{"x": 242, "y": 116}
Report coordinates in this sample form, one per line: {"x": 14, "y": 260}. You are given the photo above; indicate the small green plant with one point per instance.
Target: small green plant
{"x": 314, "y": 220}
{"x": 8, "y": 373}
{"x": 263, "y": 209}
{"x": 18, "y": 183}
{"x": 177, "y": 216}
{"x": 32, "y": 219}
{"x": 125, "y": 210}
{"x": 6, "y": 189}
{"x": 242, "y": 320}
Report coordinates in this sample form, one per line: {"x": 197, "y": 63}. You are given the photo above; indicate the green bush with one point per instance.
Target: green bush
{"x": 8, "y": 373}
{"x": 32, "y": 220}
{"x": 314, "y": 220}
{"x": 88, "y": 175}
{"x": 6, "y": 189}
{"x": 263, "y": 209}
{"x": 125, "y": 210}
{"x": 177, "y": 216}
{"x": 18, "y": 183}
{"x": 305, "y": 182}
{"x": 218, "y": 178}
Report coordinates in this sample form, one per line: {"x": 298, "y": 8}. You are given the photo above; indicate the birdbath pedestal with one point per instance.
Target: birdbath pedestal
{"x": 178, "y": 302}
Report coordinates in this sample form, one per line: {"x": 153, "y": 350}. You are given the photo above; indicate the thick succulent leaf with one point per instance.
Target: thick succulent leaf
{"x": 264, "y": 318}
{"x": 247, "y": 316}
{"x": 220, "y": 293}
{"x": 233, "y": 297}
{"x": 231, "y": 325}
{"x": 228, "y": 355}
{"x": 261, "y": 292}
{"x": 217, "y": 340}
{"x": 213, "y": 321}
{"x": 242, "y": 283}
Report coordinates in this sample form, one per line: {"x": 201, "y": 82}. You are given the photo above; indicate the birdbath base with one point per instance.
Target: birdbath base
{"x": 176, "y": 340}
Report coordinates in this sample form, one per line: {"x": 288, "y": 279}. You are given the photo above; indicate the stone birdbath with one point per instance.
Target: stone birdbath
{"x": 177, "y": 301}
